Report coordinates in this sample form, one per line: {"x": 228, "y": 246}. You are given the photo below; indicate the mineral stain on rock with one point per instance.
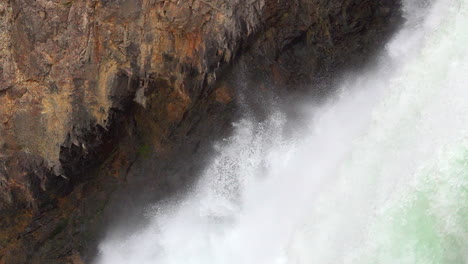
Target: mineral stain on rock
{"x": 106, "y": 105}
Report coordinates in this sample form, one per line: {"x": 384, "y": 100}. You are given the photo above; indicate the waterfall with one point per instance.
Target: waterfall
{"x": 376, "y": 174}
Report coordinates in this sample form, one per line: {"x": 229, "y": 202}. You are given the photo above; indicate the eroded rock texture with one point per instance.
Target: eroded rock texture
{"x": 106, "y": 104}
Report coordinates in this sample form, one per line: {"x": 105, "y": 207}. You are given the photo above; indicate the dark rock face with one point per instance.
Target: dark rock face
{"x": 106, "y": 105}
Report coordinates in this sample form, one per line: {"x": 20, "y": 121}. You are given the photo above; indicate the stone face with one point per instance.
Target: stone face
{"x": 100, "y": 99}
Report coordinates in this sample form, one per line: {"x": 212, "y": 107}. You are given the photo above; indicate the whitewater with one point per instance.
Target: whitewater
{"x": 378, "y": 173}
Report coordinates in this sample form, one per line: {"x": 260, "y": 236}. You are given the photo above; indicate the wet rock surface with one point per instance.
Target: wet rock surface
{"x": 108, "y": 105}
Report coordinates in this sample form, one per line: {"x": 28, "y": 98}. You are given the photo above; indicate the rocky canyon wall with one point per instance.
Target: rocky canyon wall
{"x": 106, "y": 105}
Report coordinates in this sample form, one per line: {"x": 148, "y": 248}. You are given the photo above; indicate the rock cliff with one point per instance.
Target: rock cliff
{"x": 108, "y": 104}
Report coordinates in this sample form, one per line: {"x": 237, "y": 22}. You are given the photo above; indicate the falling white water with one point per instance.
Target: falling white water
{"x": 379, "y": 173}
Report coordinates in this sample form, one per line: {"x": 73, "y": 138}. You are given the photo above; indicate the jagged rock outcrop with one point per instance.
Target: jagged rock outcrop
{"x": 102, "y": 98}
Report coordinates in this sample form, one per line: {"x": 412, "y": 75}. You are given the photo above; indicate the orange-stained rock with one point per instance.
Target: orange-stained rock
{"x": 223, "y": 95}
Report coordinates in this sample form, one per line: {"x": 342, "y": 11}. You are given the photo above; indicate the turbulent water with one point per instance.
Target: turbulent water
{"x": 377, "y": 174}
